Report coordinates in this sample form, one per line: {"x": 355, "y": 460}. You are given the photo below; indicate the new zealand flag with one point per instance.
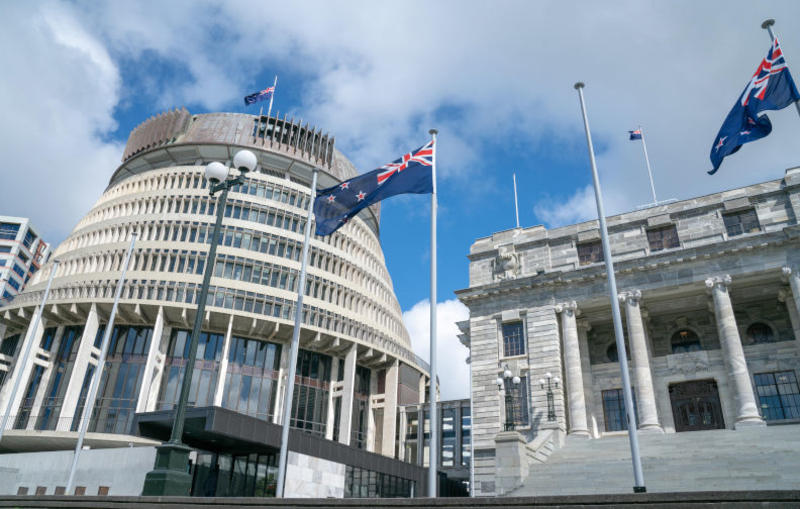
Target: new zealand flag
{"x": 770, "y": 88}
{"x": 412, "y": 173}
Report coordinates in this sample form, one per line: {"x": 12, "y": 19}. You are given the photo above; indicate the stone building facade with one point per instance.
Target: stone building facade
{"x": 354, "y": 346}
{"x": 710, "y": 297}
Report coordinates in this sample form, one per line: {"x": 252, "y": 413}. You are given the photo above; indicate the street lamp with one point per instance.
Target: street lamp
{"x": 502, "y": 382}
{"x": 550, "y": 383}
{"x": 170, "y": 476}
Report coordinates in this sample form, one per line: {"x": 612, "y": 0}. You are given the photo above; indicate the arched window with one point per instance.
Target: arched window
{"x": 760, "y": 332}
{"x": 611, "y": 353}
{"x": 685, "y": 340}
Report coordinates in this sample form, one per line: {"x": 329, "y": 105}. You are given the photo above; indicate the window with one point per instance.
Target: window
{"x": 513, "y": 339}
{"x": 448, "y": 447}
{"x": 204, "y": 376}
{"x": 611, "y": 353}
{"x": 47, "y": 338}
{"x": 9, "y": 345}
{"x": 590, "y": 252}
{"x": 310, "y": 398}
{"x": 29, "y": 238}
{"x": 8, "y": 231}
{"x": 741, "y": 222}
{"x": 759, "y": 333}
{"x": 360, "y": 410}
{"x": 685, "y": 340}
{"x": 251, "y": 382}
{"x": 466, "y": 430}
{"x": 516, "y": 402}
{"x": 778, "y": 395}
{"x": 614, "y": 409}
{"x": 663, "y": 238}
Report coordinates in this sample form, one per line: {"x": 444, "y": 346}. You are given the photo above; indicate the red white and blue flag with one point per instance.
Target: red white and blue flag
{"x": 259, "y": 96}
{"x": 770, "y": 88}
{"x": 635, "y": 135}
{"x": 412, "y": 173}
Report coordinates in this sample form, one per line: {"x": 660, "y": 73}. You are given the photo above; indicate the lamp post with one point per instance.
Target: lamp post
{"x": 505, "y": 389}
{"x": 551, "y": 382}
{"x": 170, "y": 476}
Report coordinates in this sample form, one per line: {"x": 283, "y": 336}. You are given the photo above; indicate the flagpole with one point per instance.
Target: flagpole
{"x": 34, "y": 326}
{"x": 516, "y": 204}
{"x": 639, "y": 486}
{"x": 649, "y": 170}
{"x": 767, "y": 24}
{"x": 298, "y": 316}
{"x": 271, "y": 97}
{"x": 88, "y": 405}
{"x": 434, "y": 415}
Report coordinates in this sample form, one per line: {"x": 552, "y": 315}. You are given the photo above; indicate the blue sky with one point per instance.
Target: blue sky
{"x": 497, "y": 83}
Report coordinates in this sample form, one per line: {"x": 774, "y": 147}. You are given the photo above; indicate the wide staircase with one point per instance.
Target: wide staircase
{"x": 719, "y": 460}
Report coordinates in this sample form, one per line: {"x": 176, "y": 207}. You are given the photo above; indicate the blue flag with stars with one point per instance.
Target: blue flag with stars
{"x": 770, "y": 88}
{"x": 412, "y": 173}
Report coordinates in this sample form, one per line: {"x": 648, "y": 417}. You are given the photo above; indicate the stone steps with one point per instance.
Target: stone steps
{"x": 748, "y": 459}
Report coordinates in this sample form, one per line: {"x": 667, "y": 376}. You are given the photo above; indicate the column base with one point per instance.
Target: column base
{"x": 651, "y": 428}
{"x": 579, "y": 434}
{"x": 170, "y": 476}
{"x": 750, "y": 423}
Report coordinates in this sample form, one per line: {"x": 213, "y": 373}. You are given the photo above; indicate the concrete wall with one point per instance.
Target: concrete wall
{"x": 121, "y": 469}
{"x": 310, "y": 477}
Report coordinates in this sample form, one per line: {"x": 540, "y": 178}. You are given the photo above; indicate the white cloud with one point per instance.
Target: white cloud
{"x": 451, "y": 354}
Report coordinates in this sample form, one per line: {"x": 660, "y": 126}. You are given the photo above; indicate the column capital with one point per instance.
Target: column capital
{"x": 584, "y": 325}
{"x": 717, "y": 281}
{"x": 569, "y": 307}
{"x": 786, "y": 273}
{"x": 631, "y": 296}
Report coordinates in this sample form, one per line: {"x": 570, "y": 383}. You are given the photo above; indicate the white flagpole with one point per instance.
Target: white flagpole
{"x": 298, "y": 317}
{"x": 27, "y": 353}
{"x": 88, "y": 405}
{"x": 649, "y": 171}
{"x": 271, "y": 97}
{"x": 516, "y": 204}
{"x": 638, "y": 486}
{"x": 433, "y": 462}
{"x": 767, "y": 24}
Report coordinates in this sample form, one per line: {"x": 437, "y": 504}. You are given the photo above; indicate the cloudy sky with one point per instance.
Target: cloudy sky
{"x": 495, "y": 79}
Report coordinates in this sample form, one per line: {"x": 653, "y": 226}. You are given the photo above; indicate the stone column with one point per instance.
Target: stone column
{"x": 640, "y": 363}
{"x": 219, "y": 392}
{"x": 588, "y": 386}
{"x": 573, "y": 370}
{"x": 792, "y": 298}
{"x": 83, "y": 358}
{"x": 732, "y": 352}
{"x": 389, "y": 410}
{"x": 346, "y": 417}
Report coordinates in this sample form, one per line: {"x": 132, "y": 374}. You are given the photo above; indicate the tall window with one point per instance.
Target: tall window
{"x": 358, "y": 433}
{"x": 312, "y": 386}
{"x": 9, "y": 345}
{"x": 685, "y": 340}
{"x": 251, "y": 382}
{"x": 614, "y": 410}
{"x": 204, "y": 376}
{"x": 663, "y": 238}
{"x": 778, "y": 395}
{"x": 513, "y": 339}
{"x": 590, "y": 252}
{"x": 63, "y": 363}
{"x": 737, "y": 223}
{"x": 517, "y": 402}
{"x": 47, "y": 338}
{"x": 121, "y": 379}
{"x": 448, "y": 448}
{"x": 28, "y": 397}
{"x": 466, "y": 431}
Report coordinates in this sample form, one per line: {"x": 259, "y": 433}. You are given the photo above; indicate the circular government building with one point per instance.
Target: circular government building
{"x": 355, "y": 366}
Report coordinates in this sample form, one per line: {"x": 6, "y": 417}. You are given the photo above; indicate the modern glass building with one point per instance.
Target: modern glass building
{"x": 22, "y": 253}
{"x": 355, "y": 368}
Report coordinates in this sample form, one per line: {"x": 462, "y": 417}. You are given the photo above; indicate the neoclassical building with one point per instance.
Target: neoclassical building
{"x": 355, "y": 364}
{"x": 710, "y": 296}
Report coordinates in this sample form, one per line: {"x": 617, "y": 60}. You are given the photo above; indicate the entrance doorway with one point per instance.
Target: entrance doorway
{"x": 695, "y": 405}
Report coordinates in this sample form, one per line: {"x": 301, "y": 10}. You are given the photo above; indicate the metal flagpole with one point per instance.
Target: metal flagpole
{"x": 88, "y": 405}
{"x": 516, "y": 204}
{"x": 639, "y": 486}
{"x": 434, "y": 416}
{"x": 271, "y": 97}
{"x": 767, "y": 24}
{"x": 649, "y": 170}
{"x": 298, "y": 316}
{"x": 15, "y": 388}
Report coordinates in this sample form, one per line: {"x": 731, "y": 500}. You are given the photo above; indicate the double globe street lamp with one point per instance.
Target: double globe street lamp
{"x": 551, "y": 382}
{"x": 171, "y": 476}
{"x": 506, "y": 384}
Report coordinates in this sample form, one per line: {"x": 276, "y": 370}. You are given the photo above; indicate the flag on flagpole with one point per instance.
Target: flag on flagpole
{"x": 770, "y": 88}
{"x": 635, "y": 135}
{"x": 411, "y": 173}
{"x": 259, "y": 96}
